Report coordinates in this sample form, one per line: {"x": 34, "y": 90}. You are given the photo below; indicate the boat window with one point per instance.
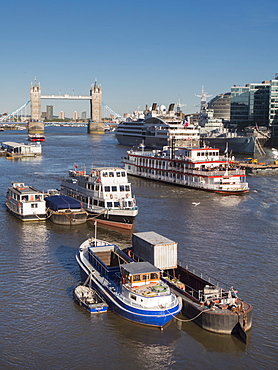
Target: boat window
{"x": 111, "y": 174}
{"x": 101, "y": 203}
{"x": 123, "y": 174}
{"x": 24, "y": 198}
{"x": 145, "y": 277}
{"x": 114, "y": 188}
{"x": 122, "y": 188}
{"x": 118, "y": 174}
{"x": 154, "y": 275}
{"x": 34, "y": 205}
{"x": 97, "y": 187}
{"x": 106, "y": 188}
{"x": 127, "y": 188}
{"x": 95, "y": 202}
{"x": 104, "y": 174}
{"x": 37, "y": 197}
{"x": 109, "y": 204}
{"x": 130, "y": 204}
{"x": 136, "y": 278}
{"x": 133, "y": 297}
{"x": 116, "y": 204}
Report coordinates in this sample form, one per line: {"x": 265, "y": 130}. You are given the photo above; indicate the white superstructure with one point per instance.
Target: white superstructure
{"x": 158, "y": 128}
{"x": 105, "y": 194}
{"x": 26, "y": 202}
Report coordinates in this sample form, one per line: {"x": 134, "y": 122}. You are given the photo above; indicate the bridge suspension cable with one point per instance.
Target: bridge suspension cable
{"x": 8, "y": 116}
{"x": 111, "y": 111}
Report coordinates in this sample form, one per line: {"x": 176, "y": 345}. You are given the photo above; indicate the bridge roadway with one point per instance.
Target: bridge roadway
{"x": 67, "y": 96}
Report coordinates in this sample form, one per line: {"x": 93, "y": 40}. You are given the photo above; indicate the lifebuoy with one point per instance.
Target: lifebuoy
{"x": 128, "y": 195}
{"x": 98, "y": 180}
{"x": 111, "y": 196}
{"x": 18, "y": 204}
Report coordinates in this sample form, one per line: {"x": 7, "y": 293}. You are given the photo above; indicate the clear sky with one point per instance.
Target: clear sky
{"x": 140, "y": 51}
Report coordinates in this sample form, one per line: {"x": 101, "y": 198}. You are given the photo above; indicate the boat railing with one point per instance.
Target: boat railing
{"x": 207, "y": 171}
{"x": 210, "y": 279}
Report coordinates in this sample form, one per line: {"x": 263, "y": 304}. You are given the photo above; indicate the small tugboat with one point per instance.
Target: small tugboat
{"x": 64, "y": 210}
{"x": 133, "y": 290}
{"x": 26, "y": 202}
{"x": 214, "y": 308}
{"x": 87, "y": 297}
{"x": 198, "y": 168}
{"x": 36, "y": 137}
{"x": 105, "y": 193}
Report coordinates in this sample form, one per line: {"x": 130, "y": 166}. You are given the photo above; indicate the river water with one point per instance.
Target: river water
{"x": 233, "y": 238}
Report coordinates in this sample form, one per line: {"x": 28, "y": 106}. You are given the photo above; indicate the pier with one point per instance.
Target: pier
{"x": 259, "y": 168}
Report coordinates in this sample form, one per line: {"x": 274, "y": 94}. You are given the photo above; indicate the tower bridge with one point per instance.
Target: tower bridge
{"x": 95, "y": 123}
{"x": 37, "y": 126}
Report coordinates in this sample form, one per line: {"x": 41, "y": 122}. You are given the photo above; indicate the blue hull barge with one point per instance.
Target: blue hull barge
{"x": 133, "y": 290}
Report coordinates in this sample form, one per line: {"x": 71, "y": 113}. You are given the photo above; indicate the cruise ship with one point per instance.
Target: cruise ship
{"x": 157, "y": 128}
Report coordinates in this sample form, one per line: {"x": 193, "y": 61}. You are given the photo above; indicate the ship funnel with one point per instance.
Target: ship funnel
{"x": 171, "y": 107}
{"x": 154, "y": 106}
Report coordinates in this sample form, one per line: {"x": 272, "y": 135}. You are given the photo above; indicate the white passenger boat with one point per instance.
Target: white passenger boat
{"x": 133, "y": 290}
{"x": 26, "y": 202}
{"x": 105, "y": 194}
{"x": 198, "y": 168}
{"x": 157, "y": 128}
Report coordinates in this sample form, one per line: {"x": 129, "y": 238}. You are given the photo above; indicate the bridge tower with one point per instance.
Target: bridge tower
{"x": 35, "y": 125}
{"x": 96, "y": 124}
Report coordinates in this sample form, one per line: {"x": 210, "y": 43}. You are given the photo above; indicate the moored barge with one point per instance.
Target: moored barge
{"x": 64, "y": 210}
{"x": 214, "y": 308}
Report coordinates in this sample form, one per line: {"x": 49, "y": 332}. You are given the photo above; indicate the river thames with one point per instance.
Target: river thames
{"x": 233, "y": 238}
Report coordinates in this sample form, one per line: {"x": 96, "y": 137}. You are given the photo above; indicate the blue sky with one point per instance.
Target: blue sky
{"x": 139, "y": 51}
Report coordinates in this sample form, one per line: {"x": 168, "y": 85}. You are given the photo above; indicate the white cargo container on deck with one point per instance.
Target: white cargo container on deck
{"x": 158, "y": 250}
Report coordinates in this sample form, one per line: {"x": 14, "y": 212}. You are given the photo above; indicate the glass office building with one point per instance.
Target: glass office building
{"x": 255, "y": 104}
{"x": 273, "y": 106}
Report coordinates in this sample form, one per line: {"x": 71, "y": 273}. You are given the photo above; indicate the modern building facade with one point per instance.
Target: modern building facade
{"x": 220, "y": 105}
{"x": 49, "y": 112}
{"x": 75, "y": 116}
{"x": 255, "y": 104}
{"x": 62, "y": 115}
{"x": 273, "y": 106}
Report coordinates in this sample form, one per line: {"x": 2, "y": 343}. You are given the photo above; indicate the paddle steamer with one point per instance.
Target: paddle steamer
{"x": 198, "y": 168}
